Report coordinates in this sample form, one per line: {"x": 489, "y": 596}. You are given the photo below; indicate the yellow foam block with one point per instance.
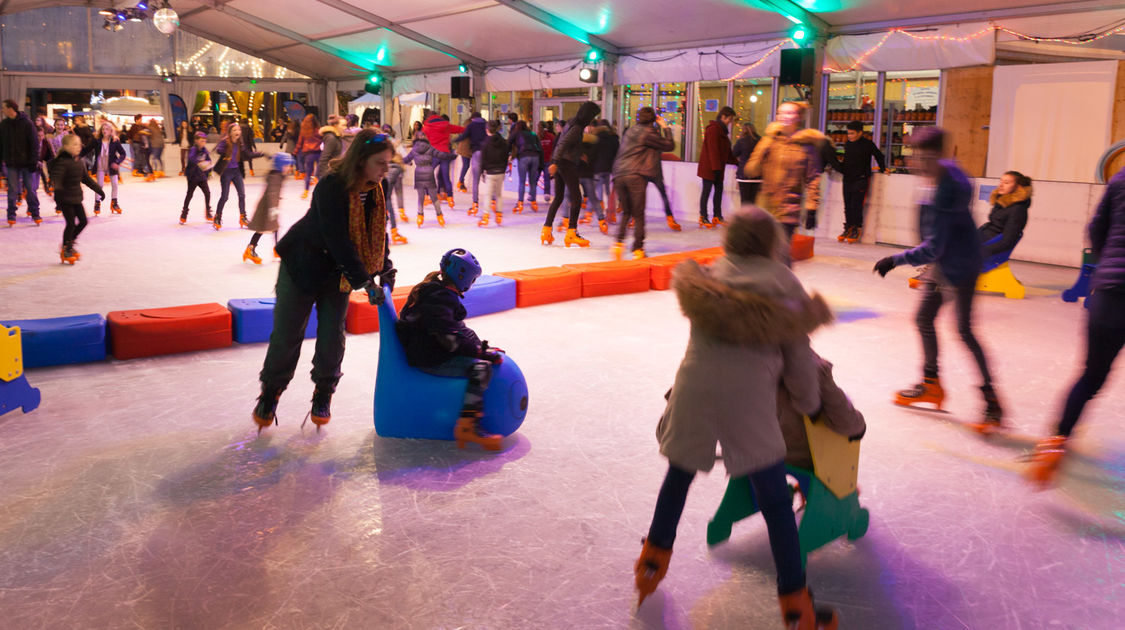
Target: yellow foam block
{"x": 11, "y": 353}
{"x": 835, "y": 459}
{"x": 1001, "y": 280}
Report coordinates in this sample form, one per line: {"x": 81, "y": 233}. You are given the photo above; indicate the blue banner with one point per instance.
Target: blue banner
{"x": 179, "y": 111}
{"x": 294, "y": 110}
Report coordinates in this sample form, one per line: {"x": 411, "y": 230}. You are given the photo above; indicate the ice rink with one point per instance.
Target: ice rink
{"x": 140, "y": 495}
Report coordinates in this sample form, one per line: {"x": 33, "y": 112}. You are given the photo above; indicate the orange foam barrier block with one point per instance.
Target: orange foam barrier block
{"x": 613, "y": 277}
{"x": 156, "y": 331}
{"x": 545, "y": 285}
{"x": 660, "y": 267}
{"x": 801, "y": 247}
{"x": 362, "y": 317}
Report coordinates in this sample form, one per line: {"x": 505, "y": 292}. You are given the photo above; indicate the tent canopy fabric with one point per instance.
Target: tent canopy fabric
{"x": 343, "y": 39}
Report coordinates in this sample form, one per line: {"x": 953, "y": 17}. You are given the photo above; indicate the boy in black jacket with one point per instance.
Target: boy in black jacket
{"x": 68, "y": 173}
{"x": 858, "y": 151}
{"x": 494, "y": 162}
{"x": 433, "y": 333}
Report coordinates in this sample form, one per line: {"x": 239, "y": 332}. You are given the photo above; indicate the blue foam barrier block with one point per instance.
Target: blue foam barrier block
{"x": 18, "y": 393}
{"x": 253, "y": 320}
{"x": 62, "y": 340}
{"x": 410, "y": 403}
{"x": 490, "y": 294}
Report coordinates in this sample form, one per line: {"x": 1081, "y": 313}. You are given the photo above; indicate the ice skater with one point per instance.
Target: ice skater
{"x": 856, "y": 168}
{"x": 68, "y": 174}
{"x": 266, "y": 213}
{"x": 494, "y": 163}
{"x": 197, "y": 169}
{"x": 638, "y": 163}
{"x": 564, "y": 168}
{"x": 950, "y": 241}
{"x": 432, "y": 329}
{"x": 1105, "y": 326}
{"x": 108, "y": 154}
{"x": 750, "y": 320}
{"x": 425, "y": 158}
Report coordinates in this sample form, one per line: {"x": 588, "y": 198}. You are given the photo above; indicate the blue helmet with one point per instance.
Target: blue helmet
{"x": 281, "y": 159}
{"x": 461, "y": 268}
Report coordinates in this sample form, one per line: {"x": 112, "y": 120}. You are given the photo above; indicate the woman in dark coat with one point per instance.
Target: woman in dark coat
{"x": 1010, "y": 203}
{"x": 564, "y": 168}
{"x": 742, "y": 151}
{"x": 1105, "y": 328}
{"x": 713, "y": 160}
{"x": 339, "y": 246}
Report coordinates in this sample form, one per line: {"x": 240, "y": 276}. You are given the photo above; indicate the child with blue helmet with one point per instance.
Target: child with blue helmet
{"x": 433, "y": 333}
{"x": 265, "y": 215}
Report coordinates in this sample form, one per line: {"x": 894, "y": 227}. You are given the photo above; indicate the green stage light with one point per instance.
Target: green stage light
{"x": 593, "y": 55}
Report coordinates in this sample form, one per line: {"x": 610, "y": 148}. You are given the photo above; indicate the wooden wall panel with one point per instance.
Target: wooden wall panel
{"x": 965, "y": 111}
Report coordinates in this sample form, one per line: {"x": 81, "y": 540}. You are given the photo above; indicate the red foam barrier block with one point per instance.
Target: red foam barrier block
{"x": 801, "y": 247}
{"x": 660, "y": 267}
{"x": 364, "y": 318}
{"x": 613, "y": 277}
{"x": 156, "y": 331}
{"x": 545, "y": 285}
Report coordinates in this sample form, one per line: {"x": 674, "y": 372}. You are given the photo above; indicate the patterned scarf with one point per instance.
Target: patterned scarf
{"x": 369, "y": 237}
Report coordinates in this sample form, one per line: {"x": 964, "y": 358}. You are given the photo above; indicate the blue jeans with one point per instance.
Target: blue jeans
{"x": 444, "y": 183}
{"x": 590, "y": 192}
{"x": 771, "y": 493}
{"x": 229, "y": 175}
{"x": 464, "y": 169}
{"x": 528, "y": 170}
{"x": 312, "y": 158}
{"x": 25, "y": 179}
{"x": 475, "y": 165}
{"x": 478, "y": 371}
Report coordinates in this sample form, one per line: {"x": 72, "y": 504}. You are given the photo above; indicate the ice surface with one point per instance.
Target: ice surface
{"x": 139, "y": 495}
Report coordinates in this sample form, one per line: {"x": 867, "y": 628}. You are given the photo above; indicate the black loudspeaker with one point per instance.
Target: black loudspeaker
{"x": 459, "y": 87}
{"x": 797, "y": 66}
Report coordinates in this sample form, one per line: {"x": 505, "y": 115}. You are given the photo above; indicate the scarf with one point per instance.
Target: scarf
{"x": 368, "y": 237}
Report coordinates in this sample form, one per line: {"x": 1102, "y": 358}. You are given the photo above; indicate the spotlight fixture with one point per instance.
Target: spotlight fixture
{"x": 588, "y": 75}
{"x": 462, "y": 68}
{"x": 106, "y": 12}
{"x": 135, "y": 15}
{"x": 374, "y": 83}
{"x": 142, "y": 6}
{"x": 593, "y": 55}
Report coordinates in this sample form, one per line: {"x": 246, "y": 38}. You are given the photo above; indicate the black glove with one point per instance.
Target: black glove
{"x": 387, "y": 278}
{"x": 375, "y": 295}
{"x": 810, "y": 220}
{"x": 859, "y": 436}
{"x": 884, "y": 265}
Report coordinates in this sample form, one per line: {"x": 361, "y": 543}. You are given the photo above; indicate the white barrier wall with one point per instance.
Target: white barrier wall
{"x": 1055, "y": 233}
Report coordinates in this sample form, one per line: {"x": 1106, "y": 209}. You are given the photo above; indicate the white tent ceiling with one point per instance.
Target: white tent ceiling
{"x": 348, "y": 38}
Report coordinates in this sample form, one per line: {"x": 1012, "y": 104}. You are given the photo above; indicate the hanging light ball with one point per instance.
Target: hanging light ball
{"x": 166, "y": 20}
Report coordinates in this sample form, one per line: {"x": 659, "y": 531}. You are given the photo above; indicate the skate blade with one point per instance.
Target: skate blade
{"x": 921, "y": 406}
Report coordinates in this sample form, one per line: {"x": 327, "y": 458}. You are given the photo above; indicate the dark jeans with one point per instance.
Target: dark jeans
{"x": 231, "y": 175}
{"x": 546, "y": 179}
{"x": 590, "y": 192}
{"x": 566, "y": 177}
{"x": 140, "y": 158}
{"x": 465, "y": 162}
{"x": 659, "y": 183}
{"x": 290, "y": 317}
{"x": 527, "y": 168}
{"x": 201, "y": 185}
{"x": 444, "y": 182}
{"x": 932, "y": 299}
{"x": 771, "y": 494}
{"x": 1105, "y": 336}
{"x": 630, "y": 190}
{"x": 74, "y": 216}
{"x": 715, "y": 182}
{"x": 26, "y": 180}
{"x": 312, "y": 158}
{"x": 478, "y": 371}
{"x": 748, "y": 193}
{"x": 156, "y": 156}
{"x": 855, "y": 195}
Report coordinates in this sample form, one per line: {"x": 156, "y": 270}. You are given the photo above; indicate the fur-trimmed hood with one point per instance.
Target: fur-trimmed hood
{"x": 740, "y": 315}
{"x": 1021, "y": 193}
{"x": 333, "y": 129}
{"x": 801, "y": 136}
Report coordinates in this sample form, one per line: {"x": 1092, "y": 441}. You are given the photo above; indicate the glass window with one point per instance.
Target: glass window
{"x": 671, "y": 103}
{"x": 51, "y": 39}
{"x": 499, "y": 104}
{"x": 910, "y": 100}
{"x": 851, "y": 96}
{"x": 752, "y": 101}
{"x": 710, "y": 98}
{"x": 634, "y": 97}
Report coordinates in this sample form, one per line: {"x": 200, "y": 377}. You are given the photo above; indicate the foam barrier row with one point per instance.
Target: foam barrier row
{"x": 159, "y": 331}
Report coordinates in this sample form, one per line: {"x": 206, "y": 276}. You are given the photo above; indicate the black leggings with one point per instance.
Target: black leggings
{"x": 715, "y": 182}
{"x": 74, "y": 216}
{"x": 1105, "y": 336}
{"x": 566, "y": 176}
{"x": 932, "y": 300}
{"x": 771, "y": 495}
{"x": 258, "y": 236}
{"x": 231, "y": 175}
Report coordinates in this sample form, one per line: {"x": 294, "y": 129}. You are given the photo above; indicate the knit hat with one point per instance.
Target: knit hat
{"x": 751, "y": 232}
